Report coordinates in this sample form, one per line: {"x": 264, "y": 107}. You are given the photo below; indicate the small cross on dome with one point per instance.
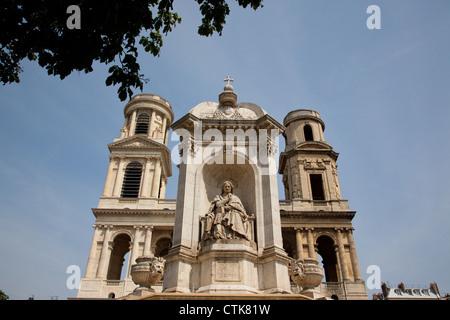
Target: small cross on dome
{"x": 228, "y": 80}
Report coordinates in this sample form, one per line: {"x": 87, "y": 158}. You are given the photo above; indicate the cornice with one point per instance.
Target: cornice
{"x": 146, "y": 144}
{"x": 99, "y": 212}
{"x": 303, "y": 150}
{"x": 125, "y": 143}
{"x": 150, "y": 101}
{"x": 263, "y": 122}
{"x": 307, "y": 214}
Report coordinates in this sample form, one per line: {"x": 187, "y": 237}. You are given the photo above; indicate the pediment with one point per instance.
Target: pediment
{"x": 136, "y": 142}
{"x": 313, "y": 145}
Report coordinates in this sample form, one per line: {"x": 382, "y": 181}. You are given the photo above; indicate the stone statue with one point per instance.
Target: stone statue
{"x": 226, "y": 217}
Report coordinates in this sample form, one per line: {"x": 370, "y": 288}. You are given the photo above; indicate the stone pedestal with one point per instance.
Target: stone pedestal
{"x": 228, "y": 266}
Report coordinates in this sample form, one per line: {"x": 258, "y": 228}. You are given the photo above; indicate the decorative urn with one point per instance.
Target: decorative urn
{"x": 147, "y": 271}
{"x": 306, "y": 273}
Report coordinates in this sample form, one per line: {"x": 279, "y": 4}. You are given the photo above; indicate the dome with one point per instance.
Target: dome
{"x": 213, "y": 110}
{"x": 227, "y": 108}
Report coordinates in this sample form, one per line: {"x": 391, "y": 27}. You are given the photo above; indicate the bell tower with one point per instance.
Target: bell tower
{"x": 316, "y": 221}
{"x": 133, "y": 218}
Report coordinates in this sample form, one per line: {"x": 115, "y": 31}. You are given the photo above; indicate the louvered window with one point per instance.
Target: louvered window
{"x": 142, "y": 124}
{"x": 132, "y": 180}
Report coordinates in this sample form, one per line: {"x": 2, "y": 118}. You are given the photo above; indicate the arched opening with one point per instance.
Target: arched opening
{"x": 121, "y": 246}
{"x": 162, "y": 247}
{"x": 307, "y": 130}
{"x": 132, "y": 180}
{"x": 325, "y": 248}
{"x": 142, "y": 123}
{"x": 287, "y": 246}
{"x": 242, "y": 176}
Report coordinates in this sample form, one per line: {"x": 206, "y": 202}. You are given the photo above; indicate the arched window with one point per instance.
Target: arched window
{"x": 121, "y": 246}
{"x": 162, "y": 247}
{"x": 325, "y": 249}
{"x": 307, "y": 130}
{"x": 132, "y": 180}
{"x": 142, "y": 123}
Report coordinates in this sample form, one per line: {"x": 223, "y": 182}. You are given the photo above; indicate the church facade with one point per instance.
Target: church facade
{"x": 228, "y": 231}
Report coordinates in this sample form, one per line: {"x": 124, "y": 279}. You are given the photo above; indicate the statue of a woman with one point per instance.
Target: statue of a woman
{"x": 226, "y": 217}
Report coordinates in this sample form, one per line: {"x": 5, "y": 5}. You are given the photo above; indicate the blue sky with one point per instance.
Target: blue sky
{"x": 383, "y": 94}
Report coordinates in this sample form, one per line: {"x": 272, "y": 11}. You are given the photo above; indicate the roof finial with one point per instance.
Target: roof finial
{"x": 228, "y": 97}
{"x": 228, "y": 80}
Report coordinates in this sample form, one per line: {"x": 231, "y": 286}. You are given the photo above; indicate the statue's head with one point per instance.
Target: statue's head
{"x": 227, "y": 184}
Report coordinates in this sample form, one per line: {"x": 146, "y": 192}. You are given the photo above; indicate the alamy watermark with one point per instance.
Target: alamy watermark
{"x": 230, "y": 146}
{"x": 73, "y": 281}
{"x": 372, "y": 22}
{"x": 74, "y": 21}
{"x": 374, "y": 280}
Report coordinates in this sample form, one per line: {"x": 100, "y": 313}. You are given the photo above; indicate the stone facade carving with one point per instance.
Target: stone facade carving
{"x": 226, "y": 113}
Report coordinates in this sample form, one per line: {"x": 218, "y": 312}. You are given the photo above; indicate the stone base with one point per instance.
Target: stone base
{"x": 228, "y": 266}
{"x": 313, "y": 294}
{"x": 222, "y": 296}
{"x": 140, "y": 292}
{"x": 228, "y": 289}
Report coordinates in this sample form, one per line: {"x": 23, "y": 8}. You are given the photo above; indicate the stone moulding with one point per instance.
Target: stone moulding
{"x": 100, "y": 212}
{"x": 334, "y": 214}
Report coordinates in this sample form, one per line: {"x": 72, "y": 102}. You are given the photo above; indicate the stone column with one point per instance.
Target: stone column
{"x": 156, "y": 178}
{"x": 298, "y": 238}
{"x": 311, "y": 249}
{"x": 135, "y": 248}
{"x": 105, "y": 255}
{"x": 166, "y": 135}
{"x": 145, "y": 193}
{"x": 162, "y": 189}
{"x": 150, "y": 124}
{"x": 304, "y": 181}
{"x": 132, "y": 123}
{"x": 328, "y": 184}
{"x": 342, "y": 255}
{"x": 119, "y": 177}
{"x": 90, "y": 268}
{"x": 163, "y": 127}
{"x": 353, "y": 257}
{"x": 108, "y": 189}
{"x": 148, "y": 241}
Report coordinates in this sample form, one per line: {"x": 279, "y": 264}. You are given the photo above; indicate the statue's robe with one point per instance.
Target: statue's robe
{"x": 231, "y": 215}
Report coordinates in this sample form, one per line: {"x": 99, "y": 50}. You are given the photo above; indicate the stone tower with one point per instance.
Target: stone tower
{"x": 316, "y": 221}
{"x": 132, "y": 217}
